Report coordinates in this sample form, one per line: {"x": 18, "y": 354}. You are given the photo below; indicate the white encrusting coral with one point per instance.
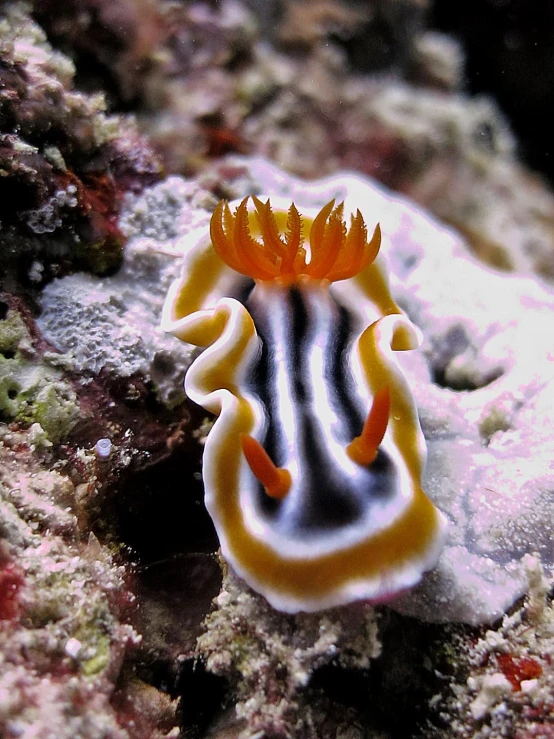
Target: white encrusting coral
{"x": 118, "y": 316}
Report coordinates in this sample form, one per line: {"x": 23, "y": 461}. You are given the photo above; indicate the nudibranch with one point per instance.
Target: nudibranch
{"x": 312, "y": 470}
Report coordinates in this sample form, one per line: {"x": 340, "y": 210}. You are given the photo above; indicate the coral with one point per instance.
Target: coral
{"x": 117, "y": 42}
{"x": 462, "y": 165}
{"x": 504, "y": 682}
{"x": 65, "y": 634}
{"x": 437, "y": 62}
{"x": 63, "y": 160}
{"x": 271, "y": 656}
{"x": 453, "y": 154}
{"x": 158, "y": 212}
{"x": 310, "y": 23}
{"x": 506, "y": 45}
{"x": 11, "y": 580}
{"x": 414, "y": 131}
{"x": 208, "y": 82}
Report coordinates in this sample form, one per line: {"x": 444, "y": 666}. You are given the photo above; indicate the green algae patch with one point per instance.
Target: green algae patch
{"x": 31, "y": 391}
{"x": 100, "y": 659}
{"x": 13, "y": 333}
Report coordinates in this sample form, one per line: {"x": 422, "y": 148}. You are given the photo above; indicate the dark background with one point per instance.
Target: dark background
{"x": 510, "y": 54}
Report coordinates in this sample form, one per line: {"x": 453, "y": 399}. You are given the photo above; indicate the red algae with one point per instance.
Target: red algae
{"x": 519, "y": 669}
{"x": 11, "y": 580}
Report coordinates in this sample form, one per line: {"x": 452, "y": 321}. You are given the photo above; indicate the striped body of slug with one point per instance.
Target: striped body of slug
{"x": 312, "y": 470}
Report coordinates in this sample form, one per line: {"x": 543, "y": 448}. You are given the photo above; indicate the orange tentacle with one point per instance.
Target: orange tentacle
{"x": 268, "y": 228}
{"x": 319, "y": 224}
{"x": 221, "y": 233}
{"x": 326, "y": 246}
{"x": 252, "y": 254}
{"x": 293, "y": 239}
{"x": 335, "y": 252}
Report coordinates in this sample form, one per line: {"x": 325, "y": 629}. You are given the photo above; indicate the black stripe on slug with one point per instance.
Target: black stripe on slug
{"x": 322, "y": 412}
{"x": 339, "y": 376}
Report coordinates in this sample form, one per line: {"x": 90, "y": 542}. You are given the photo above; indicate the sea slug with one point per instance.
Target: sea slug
{"x": 312, "y": 470}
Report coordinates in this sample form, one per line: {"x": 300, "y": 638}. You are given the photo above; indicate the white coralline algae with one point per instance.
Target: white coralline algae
{"x": 483, "y": 380}
{"x": 112, "y": 324}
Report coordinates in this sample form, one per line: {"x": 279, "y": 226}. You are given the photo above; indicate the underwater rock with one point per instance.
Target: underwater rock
{"x": 368, "y": 87}
{"x": 118, "y": 317}
{"x": 506, "y": 44}
{"x": 503, "y": 680}
{"x": 64, "y": 614}
{"x": 65, "y": 163}
{"x": 115, "y": 42}
{"x": 272, "y": 655}
{"x": 175, "y": 595}
{"x": 483, "y": 386}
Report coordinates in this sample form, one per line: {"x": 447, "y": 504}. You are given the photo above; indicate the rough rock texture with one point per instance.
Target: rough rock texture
{"x": 507, "y": 43}
{"x": 316, "y": 87}
{"x": 118, "y": 316}
{"x": 65, "y": 163}
{"x": 64, "y": 610}
{"x": 113, "y": 44}
{"x": 271, "y": 657}
{"x": 504, "y": 681}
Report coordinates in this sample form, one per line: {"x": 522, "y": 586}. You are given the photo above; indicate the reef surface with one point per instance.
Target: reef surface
{"x": 117, "y": 618}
